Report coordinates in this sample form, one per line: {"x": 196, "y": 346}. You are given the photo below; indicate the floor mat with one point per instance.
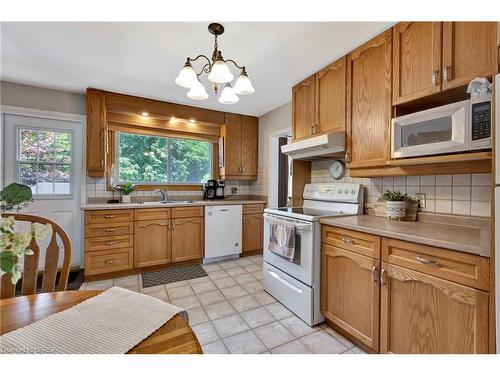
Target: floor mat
{"x": 172, "y": 275}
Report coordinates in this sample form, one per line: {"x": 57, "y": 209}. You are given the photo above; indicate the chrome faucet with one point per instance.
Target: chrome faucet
{"x": 164, "y": 194}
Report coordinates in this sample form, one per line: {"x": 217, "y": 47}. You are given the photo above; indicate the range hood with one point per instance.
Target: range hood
{"x": 321, "y": 146}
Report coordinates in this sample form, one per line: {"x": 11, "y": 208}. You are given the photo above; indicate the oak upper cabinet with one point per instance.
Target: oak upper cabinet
{"x": 469, "y": 51}
{"x": 350, "y": 293}
{"x": 369, "y": 94}
{"x": 240, "y": 154}
{"x": 421, "y": 313}
{"x": 187, "y": 239}
{"x": 152, "y": 242}
{"x": 303, "y": 108}
{"x": 96, "y": 130}
{"x": 416, "y": 60}
{"x": 253, "y": 227}
{"x": 330, "y": 99}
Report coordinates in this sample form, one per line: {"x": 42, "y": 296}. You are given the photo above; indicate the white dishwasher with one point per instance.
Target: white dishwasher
{"x": 223, "y": 228}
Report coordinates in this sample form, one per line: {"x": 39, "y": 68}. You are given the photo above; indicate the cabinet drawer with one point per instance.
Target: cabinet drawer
{"x": 108, "y": 261}
{"x": 111, "y": 242}
{"x": 361, "y": 243}
{"x": 253, "y": 208}
{"x": 466, "y": 269}
{"x": 108, "y": 229}
{"x": 108, "y": 216}
{"x": 152, "y": 214}
{"x": 180, "y": 212}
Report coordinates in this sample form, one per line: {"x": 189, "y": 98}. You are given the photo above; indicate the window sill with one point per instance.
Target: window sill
{"x": 169, "y": 187}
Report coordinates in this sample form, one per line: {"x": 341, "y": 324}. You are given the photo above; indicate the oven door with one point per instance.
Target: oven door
{"x": 302, "y": 266}
{"x": 435, "y": 131}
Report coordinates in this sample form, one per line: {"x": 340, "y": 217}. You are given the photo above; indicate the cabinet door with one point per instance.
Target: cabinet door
{"x": 249, "y": 146}
{"x": 303, "y": 108}
{"x": 253, "y": 226}
{"x": 416, "y": 60}
{"x": 425, "y": 314}
{"x": 232, "y": 145}
{"x": 151, "y": 243}
{"x": 331, "y": 98}
{"x": 187, "y": 239}
{"x": 369, "y": 88}
{"x": 350, "y": 293}
{"x": 469, "y": 51}
{"x": 96, "y": 133}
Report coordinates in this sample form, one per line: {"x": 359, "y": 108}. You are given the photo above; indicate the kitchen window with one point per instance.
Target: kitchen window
{"x": 161, "y": 160}
{"x": 44, "y": 161}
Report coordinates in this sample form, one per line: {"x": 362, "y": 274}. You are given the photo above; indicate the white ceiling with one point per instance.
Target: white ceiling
{"x": 144, "y": 58}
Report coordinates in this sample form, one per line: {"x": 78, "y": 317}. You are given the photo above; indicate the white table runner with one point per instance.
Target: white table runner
{"x": 111, "y": 323}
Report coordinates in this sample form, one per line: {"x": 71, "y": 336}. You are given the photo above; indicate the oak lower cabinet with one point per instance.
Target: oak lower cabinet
{"x": 152, "y": 243}
{"x": 187, "y": 239}
{"x": 425, "y": 314}
{"x": 253, "y": 228}
{"x": 350, "y": 297}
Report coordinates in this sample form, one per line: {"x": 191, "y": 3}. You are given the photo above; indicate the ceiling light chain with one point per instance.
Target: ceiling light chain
{"x": 218, "y": 73}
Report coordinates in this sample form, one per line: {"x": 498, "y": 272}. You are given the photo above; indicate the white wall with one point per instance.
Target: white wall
{"x": 277, "y": 121}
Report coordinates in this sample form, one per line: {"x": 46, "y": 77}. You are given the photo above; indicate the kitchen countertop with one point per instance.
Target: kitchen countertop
{"x": 118, "y": 206}
{"x": 467, "y": 239}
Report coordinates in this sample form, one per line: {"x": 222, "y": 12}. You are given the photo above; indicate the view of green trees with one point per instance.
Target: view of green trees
{"x": 145, "y": 158}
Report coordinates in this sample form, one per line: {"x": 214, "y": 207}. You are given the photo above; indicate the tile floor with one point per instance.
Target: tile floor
{"x": 231, "y": 313}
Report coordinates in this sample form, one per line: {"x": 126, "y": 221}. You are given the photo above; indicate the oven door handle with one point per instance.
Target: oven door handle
{"x": 283, "y": 281}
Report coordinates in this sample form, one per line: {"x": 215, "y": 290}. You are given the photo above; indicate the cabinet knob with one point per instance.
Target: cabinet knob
{"x": 110, "y": 261}
{"x": 109, "y": 216}
{"x": 108, "y": 230}
{"x": 108, "y": 243}
{"x": 347, "y": 241}
{"x": 427, "y": 262}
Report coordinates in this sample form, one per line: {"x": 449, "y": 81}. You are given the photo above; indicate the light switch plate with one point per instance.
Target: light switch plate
{"x": 421, "y": 198}
{"x": 234, "y": 190}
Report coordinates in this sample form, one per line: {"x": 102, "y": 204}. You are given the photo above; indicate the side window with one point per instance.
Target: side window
{"x": 44, "y": 161}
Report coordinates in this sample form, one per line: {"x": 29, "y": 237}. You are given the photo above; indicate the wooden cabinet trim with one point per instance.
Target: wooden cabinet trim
{"x": 466, "y": 269}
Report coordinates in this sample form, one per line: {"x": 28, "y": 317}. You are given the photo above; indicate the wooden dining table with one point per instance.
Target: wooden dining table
{"x": 174, "y": 337}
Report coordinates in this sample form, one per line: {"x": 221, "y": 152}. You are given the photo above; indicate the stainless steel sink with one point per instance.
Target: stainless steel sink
{"x": 166, "y": 202}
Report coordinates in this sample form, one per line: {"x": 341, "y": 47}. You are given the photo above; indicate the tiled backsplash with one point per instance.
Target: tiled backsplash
{"x": 96, "y": 188}
{"x": 461, "y": 194}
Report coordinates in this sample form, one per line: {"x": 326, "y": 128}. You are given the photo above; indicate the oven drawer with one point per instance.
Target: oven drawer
{"x": 466, "y": 269}
{"x": 361, "y": 243}
{"x": 295, "y": 295}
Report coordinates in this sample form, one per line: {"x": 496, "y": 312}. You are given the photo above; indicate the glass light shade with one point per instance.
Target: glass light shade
{"x": 243, "y": 85}
{"x": 228, "y": 96}
{"x": 187, "y": 77}
{"x": 197, "y": 92}
{"x": 220, "y": 72}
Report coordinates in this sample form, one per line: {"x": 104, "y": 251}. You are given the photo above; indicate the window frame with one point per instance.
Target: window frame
{"x": 141, "y": 186}
{"x": 18, "y": 162}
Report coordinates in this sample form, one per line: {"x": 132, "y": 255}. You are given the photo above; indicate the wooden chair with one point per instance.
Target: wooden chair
{"x": 30, "y": 273}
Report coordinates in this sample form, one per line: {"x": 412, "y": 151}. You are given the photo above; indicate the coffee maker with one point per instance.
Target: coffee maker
{"x": 214, "y": 189}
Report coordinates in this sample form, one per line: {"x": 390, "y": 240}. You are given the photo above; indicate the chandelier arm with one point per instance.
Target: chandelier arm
{"x": 234, "y": 62}
{"x": 205, "y": 69}
{"x": 197, "y": 57}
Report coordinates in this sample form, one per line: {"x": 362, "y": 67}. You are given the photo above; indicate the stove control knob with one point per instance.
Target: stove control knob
{"x": 353, "y": 191}
{"x": 346, "y": 191}
{"x": 340, "y": 190}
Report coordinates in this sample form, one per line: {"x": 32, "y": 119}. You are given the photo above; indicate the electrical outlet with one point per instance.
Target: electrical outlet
{"x": 421, "y": 198}
{"x": 234, "y": 190}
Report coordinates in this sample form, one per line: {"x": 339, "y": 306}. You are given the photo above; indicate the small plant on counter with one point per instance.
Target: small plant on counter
{"x": 14, "y": 244}
{"x": 126, "y": 190}
{"x": 395, "y": 196}
{"x": 395, "y": 204}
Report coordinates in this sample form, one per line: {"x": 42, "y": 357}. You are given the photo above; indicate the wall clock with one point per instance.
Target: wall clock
{"x": 337, "y": 169}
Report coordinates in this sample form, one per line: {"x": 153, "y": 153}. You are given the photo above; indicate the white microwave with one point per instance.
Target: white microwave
{"x": 456, "y": 127}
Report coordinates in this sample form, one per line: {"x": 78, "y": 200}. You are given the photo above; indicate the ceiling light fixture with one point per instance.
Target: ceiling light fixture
{"x": 218, "y": 73}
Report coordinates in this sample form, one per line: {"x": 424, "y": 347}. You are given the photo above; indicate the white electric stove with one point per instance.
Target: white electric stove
{"x": 296, "y": 284}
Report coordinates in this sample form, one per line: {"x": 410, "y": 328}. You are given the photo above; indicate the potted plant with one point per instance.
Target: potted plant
{"x": 395, "y": 204}
{"x": 14, "y": 244}
{"x": 126, "y": 190}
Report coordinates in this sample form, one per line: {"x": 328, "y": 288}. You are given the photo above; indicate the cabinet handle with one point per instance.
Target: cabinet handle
{"x": 173, "y": 225}
{"x": 109, "y": 261}
{"x": 435, "y": 75}
{"x": 382, "y": 277}
{"x": 445, "y": 73}
{"x": 109, "y": 216}
{"x": 374, "y": 274}
{"x": 427, "y": 262}
{"x": 108, "y": 230}
{"x": 108, "y": 243}
{"x": 347, "y": 241}
{"x": 347, "y": 157}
